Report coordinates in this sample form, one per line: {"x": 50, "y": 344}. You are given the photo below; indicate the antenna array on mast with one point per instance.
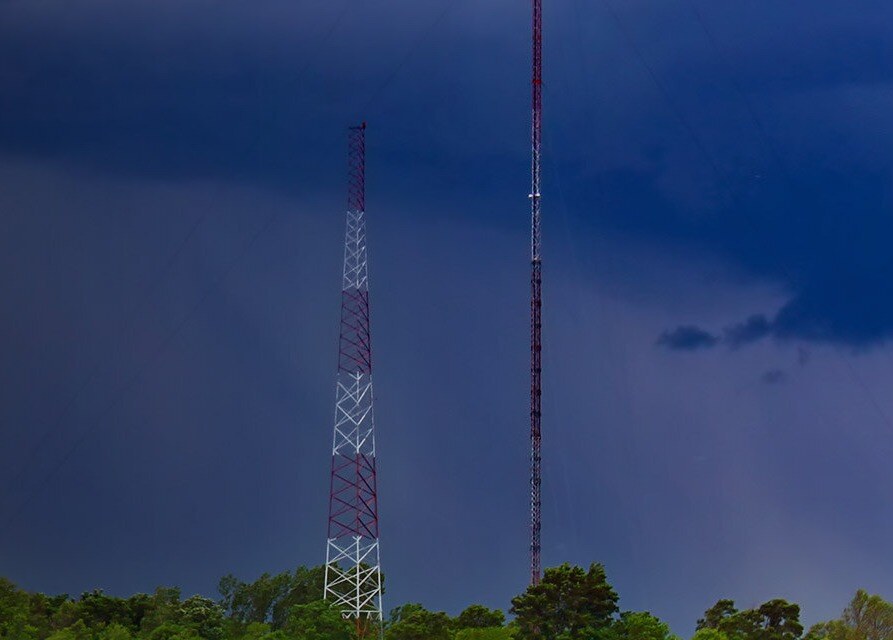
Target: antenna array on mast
{"x": 536, "y": 301}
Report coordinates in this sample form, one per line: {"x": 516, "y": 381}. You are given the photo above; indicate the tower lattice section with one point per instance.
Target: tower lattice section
{"x": 353, "y": 570}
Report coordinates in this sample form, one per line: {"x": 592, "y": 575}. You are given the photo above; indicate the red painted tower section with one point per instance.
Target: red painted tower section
{"x": 536, "y": 300}
{"x": 353, "y": 573}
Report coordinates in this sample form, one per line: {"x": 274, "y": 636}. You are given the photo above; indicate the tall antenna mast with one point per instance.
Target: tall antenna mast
{"x": 536, "y": 301}
{"x": 353, "y": 572}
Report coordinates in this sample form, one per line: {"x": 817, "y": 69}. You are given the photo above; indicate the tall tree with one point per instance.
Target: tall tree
{"x": 714, "y": 616}
{"x": 478, "y": 616}
{"x": 568, "y": 603}
{"x": 640, "y": 625}
{"x": 317, "y": 621}
{"x": 414, "y": 622}
{"x": 305, "y": 585}
{"x": 270, "y": 598}
{"x": 160, "y": 608}
{"x": 97, "y": 609}
{"x": 776, "y": 619}
{"x": 14, "y": 612}
{"x": 866, "y": 617}
{"x": 780, "y": 620}
{"x": 202, "y": 615}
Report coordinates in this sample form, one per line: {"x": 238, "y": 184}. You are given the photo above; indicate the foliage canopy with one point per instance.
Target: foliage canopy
{"x": 570, "y": 603}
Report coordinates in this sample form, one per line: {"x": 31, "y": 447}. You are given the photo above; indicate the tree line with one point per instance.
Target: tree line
{"x": 570, "y": 603}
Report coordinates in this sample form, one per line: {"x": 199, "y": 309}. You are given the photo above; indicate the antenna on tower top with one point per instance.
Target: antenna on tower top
{"x": 536, "y": 300}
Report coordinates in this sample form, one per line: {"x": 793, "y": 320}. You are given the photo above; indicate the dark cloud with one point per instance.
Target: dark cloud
{"x": 258, "y": 96}
{"x": 692, "y": 338}
{"x": 853, "y": 307}
{"x": 687, "y": 338}
{"x": 754, "y": 328}
{"x": 855, "y": 311}
{"x": 709, "y": 148}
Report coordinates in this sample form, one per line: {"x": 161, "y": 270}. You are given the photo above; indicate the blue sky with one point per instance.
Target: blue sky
{"x": 718, "y": 302}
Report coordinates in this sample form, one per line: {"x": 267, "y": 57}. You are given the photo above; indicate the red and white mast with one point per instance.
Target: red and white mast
{"x": 353, "y": 571}
{"x": 536, "y": 301}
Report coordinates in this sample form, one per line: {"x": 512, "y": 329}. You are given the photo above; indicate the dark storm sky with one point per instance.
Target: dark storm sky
{"x": 717, "y": 203}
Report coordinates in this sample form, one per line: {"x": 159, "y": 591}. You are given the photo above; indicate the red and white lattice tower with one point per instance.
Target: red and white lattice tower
{"x": 536, "y": 301}
{"x": 353, "y": 573}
